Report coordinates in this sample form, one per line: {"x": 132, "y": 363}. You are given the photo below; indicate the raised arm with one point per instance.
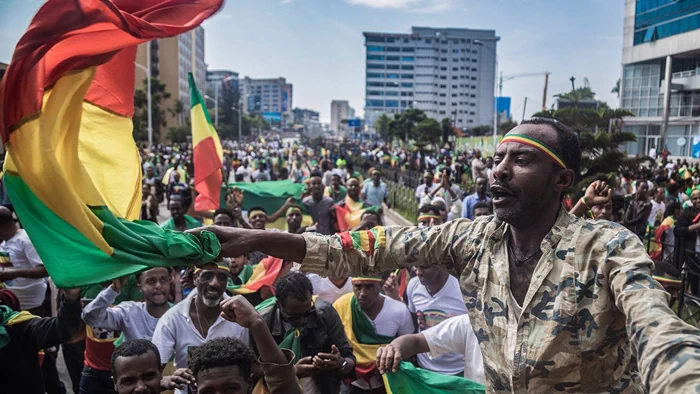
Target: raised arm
{"x": 667, "y": 349}
{"x": 99, "y": 313}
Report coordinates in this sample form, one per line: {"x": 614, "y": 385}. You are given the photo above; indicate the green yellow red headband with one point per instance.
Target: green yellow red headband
{"x": 367, "y": 279}
{"x": 220, "y": 266}
{"x": 256, "y": 212}
{"x": 535, "y": 143}
{"x": 428, "y": 217}
{"x": 292, "y": 210}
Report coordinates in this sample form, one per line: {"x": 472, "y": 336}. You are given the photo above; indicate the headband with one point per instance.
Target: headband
{"x": 220, "y": 266}
{"x": 428, "y": 217}
{"x": 366, "y": 279}
{"x": 535, "y": 143}
{"x": 376, "y": 172}
{"x": 292, "y": 210}
{"x": 256, "y": 212}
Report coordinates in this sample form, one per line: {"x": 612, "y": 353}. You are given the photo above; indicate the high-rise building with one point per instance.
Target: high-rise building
{"x": 655, "y": 30}
{"x": 270, "y": 97}
{"x": 171, "y": 60}
{"x": 448, "y": 73}
{"x": 215, "y": 77}
{"x": 340, "y": 109}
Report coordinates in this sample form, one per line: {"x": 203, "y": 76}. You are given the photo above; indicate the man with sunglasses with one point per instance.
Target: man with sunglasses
{"x": 313, "y": 330}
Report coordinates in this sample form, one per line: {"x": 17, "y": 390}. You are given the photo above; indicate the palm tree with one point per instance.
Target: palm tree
{"x": 616, "y": 88}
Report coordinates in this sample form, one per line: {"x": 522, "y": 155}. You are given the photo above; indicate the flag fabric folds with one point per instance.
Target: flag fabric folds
{"x": 361, "y": 335}
{"x": 207, "y": 153}
{"x": 72, "y": 169}
{"x": 349, "y": 216}
{"x": 9, "y": 317}
{"x": 411, "y": 380}
{"x": 264, "y": 274}
{"x": 271, "y": 196}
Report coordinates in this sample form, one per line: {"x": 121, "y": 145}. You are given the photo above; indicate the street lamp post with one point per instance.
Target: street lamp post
{"x": 495, "y": 100}
{"x": 147, "y": 69}
{"x": 216, "y": 98}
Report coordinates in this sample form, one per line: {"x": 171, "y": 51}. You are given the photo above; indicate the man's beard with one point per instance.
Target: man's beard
{"x": 212, "y": 302}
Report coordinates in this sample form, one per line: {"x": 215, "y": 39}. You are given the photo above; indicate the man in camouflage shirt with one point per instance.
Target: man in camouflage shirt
{"x": 558, "y": 304}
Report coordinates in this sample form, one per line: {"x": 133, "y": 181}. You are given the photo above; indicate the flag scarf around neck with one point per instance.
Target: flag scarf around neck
{"x": 361, "y": 334}
{"x": 72, "y": 169}
{"x": 271, "y": 196}
{"x": 206, "y": 152}
{"x": 411, "y": 380}
{"x": 9, "y": 317}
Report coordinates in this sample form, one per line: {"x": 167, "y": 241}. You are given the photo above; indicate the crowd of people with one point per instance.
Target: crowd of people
{"x": 502, "y": 280}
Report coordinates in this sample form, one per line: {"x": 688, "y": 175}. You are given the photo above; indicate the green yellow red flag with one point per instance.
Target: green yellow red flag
{"x": 72, "y": 169}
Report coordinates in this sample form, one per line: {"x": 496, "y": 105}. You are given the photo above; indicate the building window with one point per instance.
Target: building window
{"x": 375, "y": 66}
{"x": 390, "y": 66}
{"x": 375, "y": 57}
{"x": 375, "y": 49}
{"x": 392, "y": 76}
{"x": 374, "y": 75}
{"x": 375, "y": 93}
{"x": 407, "y": 58}
{"x": 406, "y": 67}
{"x": 374, "y": 103}
{"x": 392, "y": 58}
{"x": 374, "y": 39}
{"x": 406, "y": 76}
{"x": 406, "y": 85}
{"x": 391, "y": 103}
{"x": 393, "y": 49}
{"x": 408, "y": 49}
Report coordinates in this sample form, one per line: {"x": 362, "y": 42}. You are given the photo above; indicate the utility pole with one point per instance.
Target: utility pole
{"x": 572, "y": 79}
{"x": 544, "y": 96}
{"x": 667, "y": 102}
{"x": 524, "y": 107}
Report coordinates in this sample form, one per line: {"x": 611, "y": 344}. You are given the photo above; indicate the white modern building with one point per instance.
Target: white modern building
{"x": 270, "y": 97}
{"x": 340, "y": 109}
{"x": 657, "y": 32}
{"x": 446, "y": 72}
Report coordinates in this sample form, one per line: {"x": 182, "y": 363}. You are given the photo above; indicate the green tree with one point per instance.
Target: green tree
{"x": 602, "y": 156}
{"x": 506, "y": 126}
{"x": 382, "y": 125}
{"x": 140, "y": 118}
{"x": 616, "y": 88}
{"x": 428, "y": 132}
{"x": 179, "y": 134}
{"x": 481, "y": 130}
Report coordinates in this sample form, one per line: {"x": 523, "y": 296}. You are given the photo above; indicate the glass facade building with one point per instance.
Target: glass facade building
{"x": 655, "y": 29}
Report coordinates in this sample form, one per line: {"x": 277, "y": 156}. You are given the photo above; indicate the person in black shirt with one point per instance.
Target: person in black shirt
{"x": 19, "y": 356}
{"x": 326, "y": 355}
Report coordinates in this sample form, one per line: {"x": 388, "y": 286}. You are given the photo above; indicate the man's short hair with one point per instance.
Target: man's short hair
{"x": 135, "y": 347}
{"x": 375, "y": 213}
{"x": 224, "y": 211}
{"x": 222, "y": 352}
{"x": 138, "y": 274}
{"x": 484, "y": 204}
{"x": 429, "y": 209}
{"x": 316, "y": 174}
{"x": 567, "y": 140}
{"x": 295, "y": 285}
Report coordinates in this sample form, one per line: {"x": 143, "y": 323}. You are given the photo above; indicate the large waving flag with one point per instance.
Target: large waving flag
{"x": 271, "y": 196}
{"x": 72, "y": 168}
{"x": 207, "y": 153}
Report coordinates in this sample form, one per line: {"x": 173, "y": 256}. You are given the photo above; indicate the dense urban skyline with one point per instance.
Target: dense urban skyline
{"x": 320, "y": 49}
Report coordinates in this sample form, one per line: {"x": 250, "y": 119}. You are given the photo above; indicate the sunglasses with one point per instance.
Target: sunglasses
{"x": 299, "y": 316}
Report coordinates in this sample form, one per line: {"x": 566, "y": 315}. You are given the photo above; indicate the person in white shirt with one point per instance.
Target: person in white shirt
{"x": 452, "y": 335}
{"x": 427, "y": 187}
{"x": 136, "y": 320}
{"x": 27, "y": 275}
{"x": 391, "y": 318}
{"x": 197, "y": 318}
{"x": 330, "y": 289}
{"x": 434, "y": 297}
{"x": 657, "y": 206}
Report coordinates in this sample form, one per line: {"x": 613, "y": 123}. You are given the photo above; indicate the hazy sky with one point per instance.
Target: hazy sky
{"x": 318, "y": 44}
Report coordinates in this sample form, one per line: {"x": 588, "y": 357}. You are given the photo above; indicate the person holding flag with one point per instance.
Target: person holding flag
{"x": 349, "y": 211}
{"x": 370, "y": 320}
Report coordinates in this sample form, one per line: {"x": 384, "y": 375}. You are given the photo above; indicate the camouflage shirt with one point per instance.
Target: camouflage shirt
{"x": 591, "y": 309}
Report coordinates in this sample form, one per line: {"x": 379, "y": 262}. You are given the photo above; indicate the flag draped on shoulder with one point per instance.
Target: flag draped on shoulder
{"x": 72, "y": 169}
{"x": 411, "y": 380}
{"x": 207, "y": 153}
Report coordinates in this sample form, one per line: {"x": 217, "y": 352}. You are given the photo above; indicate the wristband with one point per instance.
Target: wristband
{"x": 583, "y": 201}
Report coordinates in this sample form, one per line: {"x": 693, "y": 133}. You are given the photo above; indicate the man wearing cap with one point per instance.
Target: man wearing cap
{"x": 370, "y": 319}
{"x": 319, "y": 206}
{"x": 557, "y": 302}
{"x": 375, "y": 192}
{"x": 427, "y": 187}
{"x": 197, "y": 318}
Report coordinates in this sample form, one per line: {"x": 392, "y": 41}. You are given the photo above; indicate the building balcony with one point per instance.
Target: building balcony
{"x": 684, "y": 81}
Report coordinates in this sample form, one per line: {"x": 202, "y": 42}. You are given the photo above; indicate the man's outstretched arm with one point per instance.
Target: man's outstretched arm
{"x": 352, "y": 253}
